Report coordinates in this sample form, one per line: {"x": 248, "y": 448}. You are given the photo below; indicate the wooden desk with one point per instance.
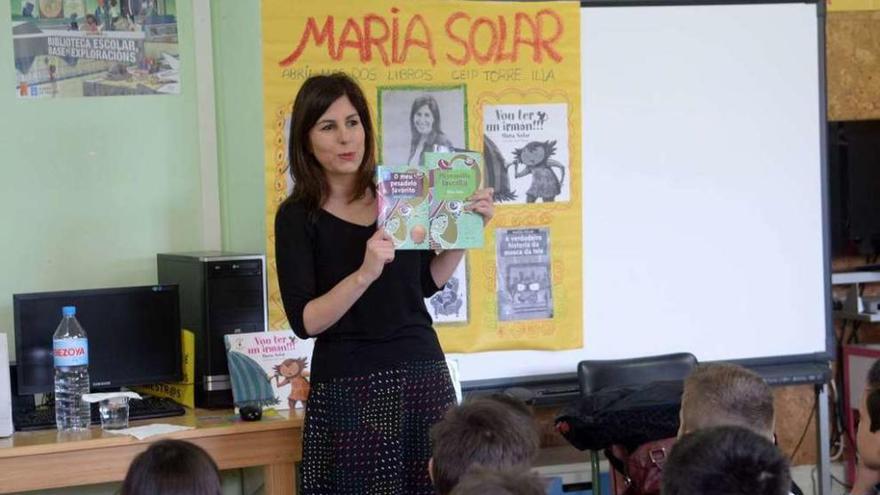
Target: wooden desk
{"x": 41, "y": 459}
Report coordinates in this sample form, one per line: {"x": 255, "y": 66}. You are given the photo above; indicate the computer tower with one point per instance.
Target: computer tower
{"x": 220, "y": 294}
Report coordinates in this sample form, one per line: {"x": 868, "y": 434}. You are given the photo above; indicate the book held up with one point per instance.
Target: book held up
{"x": 425, "y": 207}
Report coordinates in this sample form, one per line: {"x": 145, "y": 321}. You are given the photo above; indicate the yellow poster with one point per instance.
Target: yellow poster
{"x": 852, "y": 5}
{"x": 501, "y": 78}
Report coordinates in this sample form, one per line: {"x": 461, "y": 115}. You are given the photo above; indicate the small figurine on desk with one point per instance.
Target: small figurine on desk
{"x": 250, "y": 413}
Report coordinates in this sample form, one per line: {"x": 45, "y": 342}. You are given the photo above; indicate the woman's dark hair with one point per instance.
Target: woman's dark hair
{"x": 314, "y": 98}
{"x": 172, "y": 467}
{"x": 434, "y": 108}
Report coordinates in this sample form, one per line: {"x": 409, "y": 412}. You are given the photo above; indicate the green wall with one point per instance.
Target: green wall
{"x": 238, "y": 82}
{"x": 92, "y": 188}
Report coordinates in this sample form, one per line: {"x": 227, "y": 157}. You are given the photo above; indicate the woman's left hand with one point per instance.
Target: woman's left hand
{"x": 482, "y": 202}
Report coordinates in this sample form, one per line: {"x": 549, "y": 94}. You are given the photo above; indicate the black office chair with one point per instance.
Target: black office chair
{"x": 597, "y": 375}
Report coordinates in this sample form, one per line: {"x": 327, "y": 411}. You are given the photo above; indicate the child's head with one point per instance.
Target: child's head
{"x": 725, "y": 459}
{"x": 726, "y": 395}
{"x": 172, "y": 467}
{"x": 481, "y": 481}
{"x": 487, "y": 432}
{"x": 291, "y": 367}
{"x": 867, "y": 436}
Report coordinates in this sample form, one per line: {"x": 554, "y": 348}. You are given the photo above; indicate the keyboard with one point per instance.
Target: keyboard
{"x": 150, "y": 407}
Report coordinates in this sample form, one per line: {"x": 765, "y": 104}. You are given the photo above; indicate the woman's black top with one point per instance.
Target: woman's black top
{"x": 387, "y": 325}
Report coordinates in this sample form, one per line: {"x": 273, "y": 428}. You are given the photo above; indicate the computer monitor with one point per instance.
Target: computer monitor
{"x": 134, "y": 335}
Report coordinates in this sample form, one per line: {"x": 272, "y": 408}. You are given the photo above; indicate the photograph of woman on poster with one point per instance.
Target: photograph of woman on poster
{"x": 424, "y": 124}
{"x": 412, "y": 122}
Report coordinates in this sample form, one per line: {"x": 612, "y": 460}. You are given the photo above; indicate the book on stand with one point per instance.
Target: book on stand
{"x": 268, "y": 369}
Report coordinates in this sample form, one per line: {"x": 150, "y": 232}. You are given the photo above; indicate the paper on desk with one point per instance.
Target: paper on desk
{"x": 109, "y": 395}
{"x": 142, "y": 432}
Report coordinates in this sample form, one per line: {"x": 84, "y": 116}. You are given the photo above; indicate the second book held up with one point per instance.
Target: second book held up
{"x": 424, "y": 207}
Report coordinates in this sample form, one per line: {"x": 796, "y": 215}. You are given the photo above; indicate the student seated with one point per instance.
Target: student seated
{"x": 726, "y": 394}
{"x": 172, "y": 467}
{"x": 868, "y": 436}
{"x": 728, "y": 460}
{"x": 482, "y": 481}
{"x": 494, "y": 433}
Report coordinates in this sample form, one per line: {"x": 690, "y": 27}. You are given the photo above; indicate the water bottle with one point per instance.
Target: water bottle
{"x": 70, "y": 348}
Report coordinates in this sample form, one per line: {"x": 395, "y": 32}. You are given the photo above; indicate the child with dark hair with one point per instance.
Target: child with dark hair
{"x": 172, "y": 467}
{"x": 491, "y": 432}
{"x": 481, "y": 481}
{"x": 868, "y": 437}
{"x": 727, "y": 460}
{"x": 725, "y": 394}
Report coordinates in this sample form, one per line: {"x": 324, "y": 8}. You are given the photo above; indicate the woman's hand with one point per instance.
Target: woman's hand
{"x": 482, "y": 202}
{"x": 379, "y": 252}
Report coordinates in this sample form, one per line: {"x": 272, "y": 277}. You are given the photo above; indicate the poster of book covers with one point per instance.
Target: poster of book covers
{"x": 450, "y": 303}
{"x": 269, "y": 369}
{"x": 524, "y": 275}
{"x": 69, "y": 48}
{"x": 447, "y": 75}
{"x": 526, "y": 152}
{"x": 416, "y": 120}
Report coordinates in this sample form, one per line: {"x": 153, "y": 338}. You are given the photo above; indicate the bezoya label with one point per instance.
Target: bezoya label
{"x": 71, "y": 352}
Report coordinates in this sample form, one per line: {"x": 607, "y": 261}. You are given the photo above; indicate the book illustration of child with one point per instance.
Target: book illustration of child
{"x": 292, "y": 371}
{"x": 535, "y": 157}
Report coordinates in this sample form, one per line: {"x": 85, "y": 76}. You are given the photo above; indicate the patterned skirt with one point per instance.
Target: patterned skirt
{"x": 369, "y": 434}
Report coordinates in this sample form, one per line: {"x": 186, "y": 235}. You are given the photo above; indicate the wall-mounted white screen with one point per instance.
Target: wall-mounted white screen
{"x": 702, "y": 188}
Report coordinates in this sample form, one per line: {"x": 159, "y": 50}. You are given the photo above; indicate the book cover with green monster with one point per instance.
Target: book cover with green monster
{"x": 402, "y": 193}
{"x": 454, "y": 177}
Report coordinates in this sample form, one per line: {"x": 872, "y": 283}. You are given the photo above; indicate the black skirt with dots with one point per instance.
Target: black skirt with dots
{"x": 370, "y": 434}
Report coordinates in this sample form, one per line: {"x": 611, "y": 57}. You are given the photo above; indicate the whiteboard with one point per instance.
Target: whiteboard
{"x": 702, "y": 189}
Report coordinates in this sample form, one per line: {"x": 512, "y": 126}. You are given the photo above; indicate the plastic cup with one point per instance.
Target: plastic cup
{"x": 114, "y": 413}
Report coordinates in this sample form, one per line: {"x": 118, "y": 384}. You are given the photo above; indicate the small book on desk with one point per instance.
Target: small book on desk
{"x": 268, "y": 369}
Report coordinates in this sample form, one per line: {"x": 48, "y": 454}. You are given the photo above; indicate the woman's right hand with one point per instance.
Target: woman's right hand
{"x": 379, "y": 252}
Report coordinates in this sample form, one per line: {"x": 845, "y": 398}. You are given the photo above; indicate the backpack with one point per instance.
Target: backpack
{"x": 635, "y": 426}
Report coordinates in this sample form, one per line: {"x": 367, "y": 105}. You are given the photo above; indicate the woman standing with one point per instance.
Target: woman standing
{"x": 379, "y": 379}
{"x": 424, "y": 124}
